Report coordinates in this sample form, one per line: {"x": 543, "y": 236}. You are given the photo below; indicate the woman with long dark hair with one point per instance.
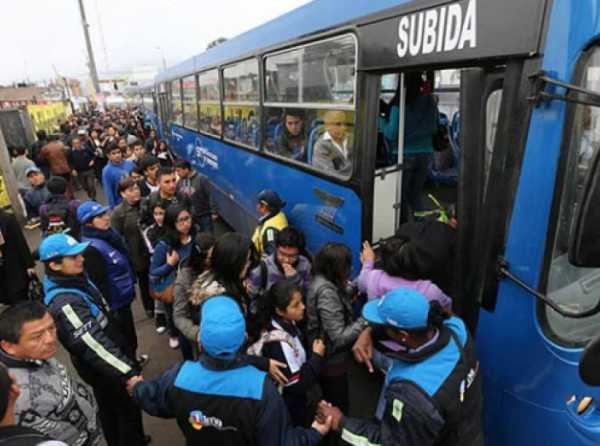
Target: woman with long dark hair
{"x": 185, "y": 315}
{"x": 229, "y": 264}
{"x": 330, "y": 317}
{"x": 173, "y": 248}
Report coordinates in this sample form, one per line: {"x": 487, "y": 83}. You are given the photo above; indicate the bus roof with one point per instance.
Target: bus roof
{"x": 462, "y": 30}
{"x": 315, "y": 16}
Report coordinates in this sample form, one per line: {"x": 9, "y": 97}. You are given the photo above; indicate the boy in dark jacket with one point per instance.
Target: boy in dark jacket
{"x": 37, "y": 195}
{"x": 124, "y": 220}
{"x": 82, "y": 161}
{"x": 198, "y": 189}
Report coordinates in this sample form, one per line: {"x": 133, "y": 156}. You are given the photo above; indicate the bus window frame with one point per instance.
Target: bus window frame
{"x": 560, "y": 184}
{"x": 219, "y": 101}
{"x": 314, "y": 106}
{"x": 258, "y": 104}
{"x": 179, "y": 81}
{"x": 183, "y": 107}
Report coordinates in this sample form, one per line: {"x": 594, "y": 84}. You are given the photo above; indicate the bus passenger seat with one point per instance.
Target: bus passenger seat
{"x": 316, "y": 131}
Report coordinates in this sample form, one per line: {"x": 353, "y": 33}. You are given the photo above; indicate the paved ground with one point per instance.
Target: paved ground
{"x": 363, "y": 393}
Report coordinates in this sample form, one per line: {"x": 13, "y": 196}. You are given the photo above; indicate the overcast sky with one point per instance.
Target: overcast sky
{"x": 37, "y": 34}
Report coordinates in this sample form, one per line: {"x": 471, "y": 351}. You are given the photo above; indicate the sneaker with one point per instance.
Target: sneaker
{"x": 143, "y": 360}
{"x": 174, "y": 343}
{"x": 161, "y": 323}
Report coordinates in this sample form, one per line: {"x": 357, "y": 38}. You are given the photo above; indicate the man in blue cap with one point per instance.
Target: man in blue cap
{"x": 271, "y": 220}
{"x": 432, "y": 390}
{"x": 88, "y": 331}
{"x": 219, "y": 400}
{"x": 108, "y": 265}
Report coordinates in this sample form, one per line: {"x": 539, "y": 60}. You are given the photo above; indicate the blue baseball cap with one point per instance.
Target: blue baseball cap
{"x": 271, "y": 199}
{"x": 402, "y": 308}
{"x": 60, "y": 245}
{"x": 32, "y": 169}
{"x": 222, "y": 327}
{"x": 90, "y": 209}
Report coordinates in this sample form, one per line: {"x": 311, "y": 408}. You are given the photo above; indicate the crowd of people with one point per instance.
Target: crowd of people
{"x": 266, "y": 330}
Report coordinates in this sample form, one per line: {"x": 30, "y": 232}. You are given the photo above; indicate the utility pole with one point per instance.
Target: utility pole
{"x": 10, "y": 182}
{"x": 88, "y": 43}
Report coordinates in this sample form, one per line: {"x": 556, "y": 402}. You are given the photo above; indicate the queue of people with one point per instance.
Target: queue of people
{"x": 267, "y": 332}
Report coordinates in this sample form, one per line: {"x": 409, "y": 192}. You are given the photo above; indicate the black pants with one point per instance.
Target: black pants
{"x": 120, "y": 418}
{"x": 335, "y": 390}
{"x": 87, "y": 179}
{"x": 147, "y": 301}
{"x": 124, "y": 318}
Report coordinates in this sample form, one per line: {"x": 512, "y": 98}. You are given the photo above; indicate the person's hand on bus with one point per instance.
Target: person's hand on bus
{"x": 173, "y": 258}
{"x": 367, "y": 254}
{"x": 275, "y": 372}
{"x": 318, "y": 347}
{"x": 288, "y": 270}
{"x": 363, "y": 349}
{"x": 91, "y": 163}
{"x": 215, "y": 217}
{"x": 74, "y": 173}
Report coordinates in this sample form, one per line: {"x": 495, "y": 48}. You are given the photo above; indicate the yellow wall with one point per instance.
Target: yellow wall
{"x": 47, "y": 116}
{"x": 4, "y": 201}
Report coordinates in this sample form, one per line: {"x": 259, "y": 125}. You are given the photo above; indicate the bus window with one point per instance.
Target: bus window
{"x": 176, "y": 104}
{"x": 241, "y": 103}
{"x": 190, "y": 107}
{"x": 210, "y": 102}
{"x": 309, "y": 102}
{"x": 577, "y": 288}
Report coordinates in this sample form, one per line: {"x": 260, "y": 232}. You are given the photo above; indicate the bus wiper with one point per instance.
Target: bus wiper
{"x": 573, "y": 93}
{"x": 504, "y": 272}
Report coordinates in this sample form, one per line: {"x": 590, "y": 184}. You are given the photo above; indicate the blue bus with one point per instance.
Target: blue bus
{"x": 514, "y": 81}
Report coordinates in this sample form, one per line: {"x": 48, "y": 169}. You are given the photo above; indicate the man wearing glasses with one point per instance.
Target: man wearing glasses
{"x": 286, "y": 263}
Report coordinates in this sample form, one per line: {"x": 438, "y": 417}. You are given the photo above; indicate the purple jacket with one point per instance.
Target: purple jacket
{"x": 376, "y": 283}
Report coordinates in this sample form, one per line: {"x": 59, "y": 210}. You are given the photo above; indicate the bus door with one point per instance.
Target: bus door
{"x": 418, "y": 149}
{"x": 387, "y": 193}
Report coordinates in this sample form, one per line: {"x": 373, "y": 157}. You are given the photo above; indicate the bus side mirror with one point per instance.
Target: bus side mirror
{"x": 589, "y": 366}
{"x": 584, "y": 243}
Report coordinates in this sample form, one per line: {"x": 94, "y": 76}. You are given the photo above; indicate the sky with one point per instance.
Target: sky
{"x": 39, "y": 38}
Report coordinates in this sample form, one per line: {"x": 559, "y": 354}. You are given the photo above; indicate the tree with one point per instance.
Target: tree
{"x": 216, "y": 42}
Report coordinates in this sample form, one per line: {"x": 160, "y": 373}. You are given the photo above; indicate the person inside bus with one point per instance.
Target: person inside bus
{"x": 271, "y": 220}
{"x": 291, "y": 143}
{"x": 333, "y": 149}
{"x": 433, "y": 390}
{"x": 420, "y": 126}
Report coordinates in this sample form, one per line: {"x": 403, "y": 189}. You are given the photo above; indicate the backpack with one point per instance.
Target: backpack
{"x": 60, "y": 218}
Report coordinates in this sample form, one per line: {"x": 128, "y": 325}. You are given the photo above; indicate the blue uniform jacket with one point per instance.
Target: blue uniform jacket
{"x": 222, "y": 403}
